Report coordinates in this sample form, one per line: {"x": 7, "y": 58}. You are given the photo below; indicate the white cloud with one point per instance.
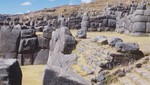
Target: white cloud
{"x": 72, "y": 2}
{"x": 86, "y": 1}
{"x": 51, "y": 0}
{"x": 26, "y": 3}
{"x": 19, "y": 13}
{"x": 28, "y": 11}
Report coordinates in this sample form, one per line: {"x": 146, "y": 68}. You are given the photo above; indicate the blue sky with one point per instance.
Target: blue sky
{"x": 24, "y": 6}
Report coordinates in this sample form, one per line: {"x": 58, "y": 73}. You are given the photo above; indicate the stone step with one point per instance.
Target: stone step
{"x": 125, "y": 81}
{"x": 143, "y": 72}
{"x": 137, "y": 79}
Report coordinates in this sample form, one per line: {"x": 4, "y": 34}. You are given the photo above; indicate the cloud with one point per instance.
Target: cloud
{"x": 86, "y": 1}
{"x": 26, "y": 3}
{"x": 28, "y": 11}
{"x": 72, "y": 2}
{"x": 51, "y": 0}
{"x": 19, "y": 13}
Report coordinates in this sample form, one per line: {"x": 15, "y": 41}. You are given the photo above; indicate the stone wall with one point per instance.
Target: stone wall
{"x": 21, "y": 42}
{"x": 136, "y": 24}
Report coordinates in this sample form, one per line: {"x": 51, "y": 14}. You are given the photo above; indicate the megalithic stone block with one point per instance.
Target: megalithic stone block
{"x": 10, "y": 72}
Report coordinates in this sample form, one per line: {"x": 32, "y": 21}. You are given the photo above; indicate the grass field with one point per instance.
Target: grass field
{"x": 32, "y": 75}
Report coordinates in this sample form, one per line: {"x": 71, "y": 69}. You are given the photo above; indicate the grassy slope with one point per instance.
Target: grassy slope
{"x": 32, "y": 75}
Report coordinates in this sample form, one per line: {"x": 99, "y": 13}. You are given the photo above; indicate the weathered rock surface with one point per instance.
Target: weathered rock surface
{"x": 47, "y": 32}
{"x": 42, "y": 57}
{"x": 101, "y": 58}
{"x": 100, "y": 39}
{"x": 57, "y": 76}
{"x": 113, "y": 41}
{"x": 43, "y": 42}
{"x": 81, "y": 33}
{"x": 127, "y": 47}
{"x": 135, "y": 24}
{"x": 28, "y": 45}
{"x": 10, "y": 72}
{"x": 27, "y": 33}
{"x": 58, "y": 70}
{"x": 62, "y": 41}
{"x": 9, "y": 39}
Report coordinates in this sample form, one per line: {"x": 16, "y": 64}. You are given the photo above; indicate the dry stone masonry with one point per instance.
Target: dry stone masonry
{"x": 21, "y": 44}
{"x": 132, "y": 19}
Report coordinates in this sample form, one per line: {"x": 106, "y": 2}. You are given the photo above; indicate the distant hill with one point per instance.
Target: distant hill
{"x": 96, "y": 5}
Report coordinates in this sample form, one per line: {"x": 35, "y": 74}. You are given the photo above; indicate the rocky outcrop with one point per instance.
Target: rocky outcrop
{"x": 126, "y": 47}
{"x": 58, "y": 70}
{"x": 62, "y": 41}
{"x": 21, "y": 42}
{"x": 43, "y": 45}
{"x": 82, "y": 33}
{"x": 10, "y": 72}
{"x": 9, "y": 39}
{"x": 113, "y": 41}
{"x": 137, "y": 73}
{"x": 96, "y": 61}
{"x": 59, "y": 76}
{"x": 28, "y": 45}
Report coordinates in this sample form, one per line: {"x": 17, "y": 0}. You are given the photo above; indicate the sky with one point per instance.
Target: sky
{"x": 25, "y": 6}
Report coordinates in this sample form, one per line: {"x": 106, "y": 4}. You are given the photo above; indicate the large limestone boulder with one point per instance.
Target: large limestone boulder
{"x": 58, "y": 70}
{"x": 9, "y": 39}
{"x": 61, "y": 40}
{"x": 43, "y": 42}
{"x": 41, "y": 57}
{"x": 28, "y": 45}
{"x": 10, "y": 72}
{"x": 81, "y": 33}
{"x": 47, "y": 32}
{"x": 100, "y": 40}
{"x": 113, "y": 41}
{"x": 56, "y": 76}
{"x": 27, "y": 33}
{"x": 127, "y": 47}
{"x": 85, "y": 21}
{"x": 25, "y": 59}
